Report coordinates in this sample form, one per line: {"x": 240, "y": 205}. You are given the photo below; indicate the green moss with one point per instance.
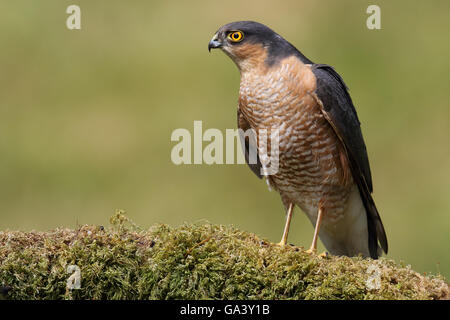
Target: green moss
{"x": 192, "y": 262}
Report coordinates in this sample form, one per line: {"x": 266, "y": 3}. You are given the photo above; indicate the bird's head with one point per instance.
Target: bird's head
{"x": 251, "y": 45}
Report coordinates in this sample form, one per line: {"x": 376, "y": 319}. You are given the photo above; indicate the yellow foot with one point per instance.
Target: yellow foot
{"x": 281, "y": 244}
{"x": 314, "y": 252}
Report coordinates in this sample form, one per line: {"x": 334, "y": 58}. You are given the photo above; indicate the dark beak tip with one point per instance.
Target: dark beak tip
{"x": 214, "y": 44}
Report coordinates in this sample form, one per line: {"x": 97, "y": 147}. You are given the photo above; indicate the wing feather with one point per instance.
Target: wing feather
{"x": 338, "y": 109}
{"x": 246, "y": 144}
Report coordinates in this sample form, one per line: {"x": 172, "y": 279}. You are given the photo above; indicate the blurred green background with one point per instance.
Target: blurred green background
{"x": 86, "y": 115}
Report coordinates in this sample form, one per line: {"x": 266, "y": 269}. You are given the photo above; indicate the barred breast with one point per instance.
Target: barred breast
{"x": 312, "y": 161}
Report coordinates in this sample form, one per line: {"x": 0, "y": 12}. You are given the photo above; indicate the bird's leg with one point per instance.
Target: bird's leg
{"x": 283, "y": 241}
{"x": 313, "y": 248}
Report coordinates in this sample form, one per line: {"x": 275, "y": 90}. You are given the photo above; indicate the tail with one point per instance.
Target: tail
{"x": 376, "y": 232}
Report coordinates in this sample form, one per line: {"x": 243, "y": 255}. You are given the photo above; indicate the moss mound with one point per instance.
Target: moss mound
{"x": 192, "y": 262}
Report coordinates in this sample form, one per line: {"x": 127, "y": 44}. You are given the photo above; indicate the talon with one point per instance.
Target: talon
{"x": 323, "y": 255}
{"x": 311, "y": 251}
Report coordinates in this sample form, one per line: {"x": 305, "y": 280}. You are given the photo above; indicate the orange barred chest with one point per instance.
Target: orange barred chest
{"x": 311, "y": 163}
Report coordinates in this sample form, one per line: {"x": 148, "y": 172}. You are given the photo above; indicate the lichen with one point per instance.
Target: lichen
{"x": 192, "y": 262}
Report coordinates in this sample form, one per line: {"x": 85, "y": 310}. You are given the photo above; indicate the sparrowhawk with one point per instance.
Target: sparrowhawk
{"x": 323, "y": 163}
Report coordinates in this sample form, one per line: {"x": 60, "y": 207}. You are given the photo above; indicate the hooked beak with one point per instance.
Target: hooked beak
{"x": 214, "y": 43}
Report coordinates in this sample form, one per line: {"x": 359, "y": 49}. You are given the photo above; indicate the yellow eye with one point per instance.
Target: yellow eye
{"x": 236, "y": 36}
